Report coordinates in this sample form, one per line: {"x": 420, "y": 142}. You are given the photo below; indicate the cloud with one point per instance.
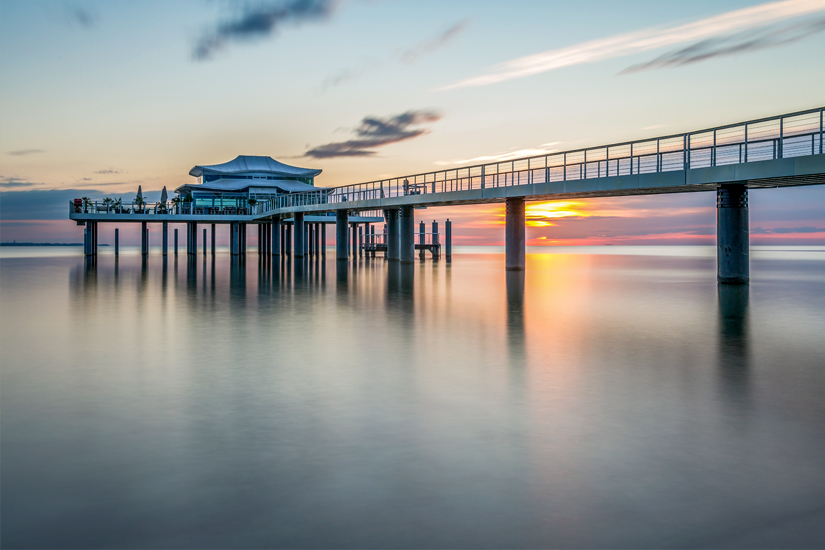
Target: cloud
{"x": 108, "y": 171}
{"x": 412, "y": 54}
{"x": 24, "y": 152}
{"x": 374, "y": 132}
{"x": 81, "y": 16}
{"x": 783, "y": 230}
{"x": 741, "y": 42}
{"x": 545, "y": 149}
{"x": 11, "y": 183}
{"x": 644, "y": 40}
{"x": 408, "y": 56}
{"x": 261, "y": 22}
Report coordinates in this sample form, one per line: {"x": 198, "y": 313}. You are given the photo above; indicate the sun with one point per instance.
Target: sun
{"x": 540, "y": 214}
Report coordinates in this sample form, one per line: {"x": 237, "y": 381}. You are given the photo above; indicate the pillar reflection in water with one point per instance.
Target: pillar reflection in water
{"x": 515, "y": 317}
{"x": 734, "y": 339}
{"x": 237, "y": 278}
{"x": 400, "y": 286}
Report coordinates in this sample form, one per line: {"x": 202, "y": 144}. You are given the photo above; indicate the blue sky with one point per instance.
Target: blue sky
{"x": 100, "y": 97}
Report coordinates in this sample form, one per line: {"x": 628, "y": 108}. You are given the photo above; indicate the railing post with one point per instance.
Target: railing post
{"x": 820, "y": 131}
{"x": 713, "y": 151}
{"x": 658, "y": 157}
{"x": 686, "y": 152}
{"x": 746, "y": 142}
{"x": 781, "y": 136}
{"x": 631, "y": 160}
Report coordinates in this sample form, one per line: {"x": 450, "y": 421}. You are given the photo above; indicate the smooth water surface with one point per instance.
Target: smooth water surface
{"x": 599, "y": 400}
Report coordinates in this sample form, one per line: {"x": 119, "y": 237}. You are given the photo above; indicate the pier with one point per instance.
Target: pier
{"x": 779, "y": 151}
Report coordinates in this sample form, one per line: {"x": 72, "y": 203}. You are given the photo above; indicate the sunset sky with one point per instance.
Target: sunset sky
{"x": 97, "y": 98}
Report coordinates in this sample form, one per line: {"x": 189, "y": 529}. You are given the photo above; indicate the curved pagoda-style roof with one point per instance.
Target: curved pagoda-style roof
{"x": 247, "y": 164}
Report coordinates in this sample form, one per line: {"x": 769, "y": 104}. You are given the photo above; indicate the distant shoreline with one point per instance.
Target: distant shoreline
{"x": 45, "y": 244}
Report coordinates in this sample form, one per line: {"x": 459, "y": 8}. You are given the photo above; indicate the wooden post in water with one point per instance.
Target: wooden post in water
{"x": 117, "y": 241}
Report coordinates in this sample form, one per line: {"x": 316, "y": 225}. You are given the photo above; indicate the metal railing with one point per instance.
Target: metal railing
{"x": 104, "y": 207}
{"x": 782, "y": 136}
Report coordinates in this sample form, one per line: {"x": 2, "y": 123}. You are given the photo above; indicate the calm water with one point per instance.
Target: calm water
{"x": 605, "y": 399}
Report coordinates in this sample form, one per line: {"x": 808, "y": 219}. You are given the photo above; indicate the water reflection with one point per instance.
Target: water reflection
{"x": 515, "y": 316}
{"x": 576, "y": 406}
{"x": 734, "y": 338}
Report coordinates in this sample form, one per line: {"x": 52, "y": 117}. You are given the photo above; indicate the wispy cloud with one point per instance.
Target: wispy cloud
{"x": 14, "y": 183}
{"x": 545, "y": 149}
{"x": 260, "y": 22}
{"x": 374, "y": 132}
{"x": 645, "y": 40}
{"x": 24, "y": 152}
{"x": 408, "y": 56}
{"x": 108, "y": 171}
{"x": 80, "y": 16}
{"x": 740, "y": 42}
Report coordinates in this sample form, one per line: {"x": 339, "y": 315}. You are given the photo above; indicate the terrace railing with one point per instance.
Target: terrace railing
{"x": 783, "y": 136}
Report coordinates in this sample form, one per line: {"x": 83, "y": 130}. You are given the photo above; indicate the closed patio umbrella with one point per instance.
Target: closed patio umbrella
{"x": 163, "y": 197}
{"x": 140, "y": 193}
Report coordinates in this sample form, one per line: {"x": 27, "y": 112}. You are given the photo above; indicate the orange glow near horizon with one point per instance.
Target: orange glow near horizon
{"x": 540, "y": 214}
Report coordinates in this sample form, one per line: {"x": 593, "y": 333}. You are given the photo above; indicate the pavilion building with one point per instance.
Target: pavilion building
{"x": 232, "y": 186}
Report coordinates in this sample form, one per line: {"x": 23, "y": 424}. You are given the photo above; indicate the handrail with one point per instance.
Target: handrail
{"x": 792, "y": 134}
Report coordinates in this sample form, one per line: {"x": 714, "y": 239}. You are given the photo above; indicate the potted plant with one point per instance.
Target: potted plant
{"x": 140, "y": 202}
{"x": 86, "y": 203}
{"x": 187, "y": 201}
{"x": 107, "y": 204}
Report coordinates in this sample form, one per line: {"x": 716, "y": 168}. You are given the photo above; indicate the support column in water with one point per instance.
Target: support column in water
{"x": 213, "y": 239}
{"x": 422, "y": 238}
{"x": 234, "y": 238}
{"x": 406, "y": 235}
{"x": 448, "y": 237}
{"x": 276, "y": 237}
{"x": 176, "y": 241}
{"x": 514, "y": 235}
{"x": 87, "y": 239}
{"x": 94, "y": 238}
{"x": 117, "y": 241}
{"x": 324, "y": 240}
{"x": 393, "y": 250}
{"x": 732, "y": 234}
{"x": 204, "y": 242}
{"x": 341, "y": 234}
{"x": 298, "y": 234}
{"x": 165, "y": 243}
{"x": 144, "y": 238}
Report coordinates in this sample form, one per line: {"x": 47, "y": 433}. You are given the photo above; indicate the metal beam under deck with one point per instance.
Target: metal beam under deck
{"x": 789, "y": 172}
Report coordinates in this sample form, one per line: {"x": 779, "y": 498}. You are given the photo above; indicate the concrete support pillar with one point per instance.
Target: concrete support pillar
{"x": 324, "y": 240}
{"x": 117, "y": 241}
{"x": 341, "y": 234}
{"x": 360, "y": 240}
{"x": 288, "y": 240}
{"x": 243, "y": 242}
{"x": 204, "y": 242}
{"x": 165, "y": 243}
{"x": 308, "y": 242}
{"x": 514, "y": 234}
{"x": 213, "y": 239}
{"x": 277, "y": 230}
{"x": 422, "y": 239}
{"x": 406, "y": 235}
{"x": 144, "y": 238}
{"x": 94, "y": 238}
{"x": 194, "y": 238}
{"x": 298, "y": 223}
{"x": 448, "y": 238}
{"x": 176, "y": 241}
{"x": 260, "y": 239}
{"x": 435, "y": 251}
{"x": 87, "y": 239}
{"x": 732, "y": 234}
{"x": 234, "y": 238}
{"x": 353, "y": 239}
{"x": 393, "y": 250}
